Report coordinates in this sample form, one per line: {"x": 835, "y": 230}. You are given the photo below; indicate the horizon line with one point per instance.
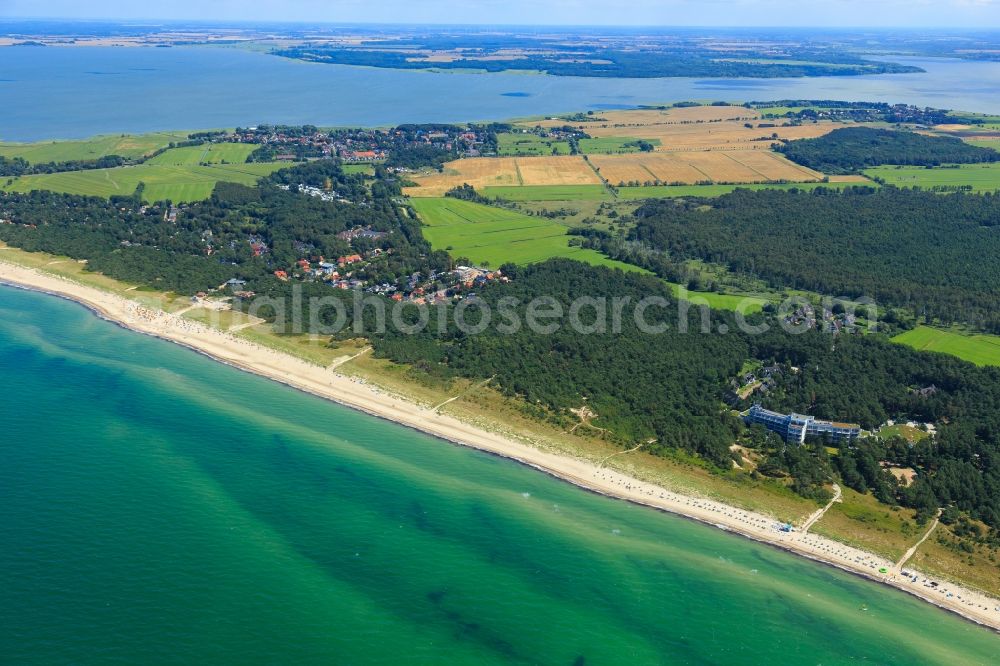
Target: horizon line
{"x": 431, "y": 24}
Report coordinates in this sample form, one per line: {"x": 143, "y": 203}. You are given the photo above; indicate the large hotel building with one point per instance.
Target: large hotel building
{"x": 798, "y": 427}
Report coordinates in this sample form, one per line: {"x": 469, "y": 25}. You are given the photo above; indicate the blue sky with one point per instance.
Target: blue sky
{"x": 891, "y": 13}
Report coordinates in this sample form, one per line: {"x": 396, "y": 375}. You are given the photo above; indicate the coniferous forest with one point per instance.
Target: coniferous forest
{"x": 938, "y": 255}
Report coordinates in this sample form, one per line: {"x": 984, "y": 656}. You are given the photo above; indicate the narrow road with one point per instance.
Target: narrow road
{"x": 819, "y": 514}
{"x": 908, "y": 554}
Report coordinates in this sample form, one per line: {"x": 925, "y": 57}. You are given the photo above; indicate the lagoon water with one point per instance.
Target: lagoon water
{"x": 52, "y": 92}
{"x": 158, "y": 507}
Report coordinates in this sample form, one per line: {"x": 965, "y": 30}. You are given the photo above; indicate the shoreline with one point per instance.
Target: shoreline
{"x": 357, "y": 394}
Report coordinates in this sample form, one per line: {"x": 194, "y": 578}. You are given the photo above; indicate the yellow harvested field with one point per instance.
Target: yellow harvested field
{"x": 702, "y": 144}
{"x": 483, "y": 172}
{"x": 719, "y": 167}
{"x": 773, "y": 166}
{"x": 621, "y": 169}
{"x": 696, "y": 128}
{"x": 714, "y": 136}
{"x": 641, "y": 168}
{"x": 476, "y": 171}
{"x": 556, "y": 170}
{"x": 743, "y": 166}
{"x": 688, "y": 168}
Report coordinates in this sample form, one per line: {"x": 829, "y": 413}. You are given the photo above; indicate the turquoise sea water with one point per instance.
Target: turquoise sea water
{"x": 158, "y": 507}
{"x": 54, "y": 92}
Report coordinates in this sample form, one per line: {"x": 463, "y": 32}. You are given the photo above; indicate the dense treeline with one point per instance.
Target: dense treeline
{"x": 18, "y": 166}
{"x": 633, "y": 252}
{"x": 414, "y": 157}
{"x": 851, "y": 149}
{"x": 937, "y": 255}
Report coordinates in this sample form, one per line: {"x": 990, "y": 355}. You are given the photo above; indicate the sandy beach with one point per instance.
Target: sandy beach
{"x": 354, "y": 393}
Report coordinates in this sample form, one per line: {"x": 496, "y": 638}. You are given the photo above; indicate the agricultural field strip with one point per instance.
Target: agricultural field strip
{"x": 234, "y": 153}
{"x": 481, "y": 227}
{"x": 691, "y": 167}
{"x": 981, "y": 349}
{"x": 742, "y": 164}
{"x": 550, "y": 193}
{"x": 495, "y": 235}
{"x": 701, "y": 171}
{"x": 674, "y": 138}
{"x": 981, "y": 177}
{"x": 695, "y": 167}
{"x": 129, "y": 146}
{"x": 179, "y": 183}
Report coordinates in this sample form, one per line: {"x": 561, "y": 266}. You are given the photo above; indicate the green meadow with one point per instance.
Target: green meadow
{"x": 209, "y": 153}
{"x": 178, "y": 174}
{"x": 979, "y": 349}
{"x": 909, "y": 433}
{"x": 549, "y": 193}
{"x": 985, "y": 143}
{"x": 613, "y": 144}
{"x": 983, "y": 120}
{"x": 178, "y": 183}
{"x": 493, "y": 236}
{"x": 744, "y": 304}
{"x": 123, "y": 145}
{"x": 513, "y": 144}
{"x": 365, "y": 169}
{"x": 510, "y": 144}
{"x": 981, "y": 177}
